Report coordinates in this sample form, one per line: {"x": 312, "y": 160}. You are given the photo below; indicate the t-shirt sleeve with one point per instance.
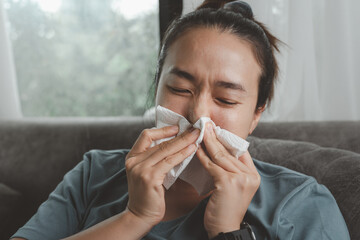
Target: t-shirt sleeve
{"x": 60, "y": 216}
{"x": 311, "y": 212}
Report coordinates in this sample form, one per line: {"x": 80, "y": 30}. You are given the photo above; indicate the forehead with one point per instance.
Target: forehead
{"x": 211, "y": 52}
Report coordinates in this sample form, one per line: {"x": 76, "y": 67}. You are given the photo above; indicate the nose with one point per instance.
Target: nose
{"x": 200, "y": 107}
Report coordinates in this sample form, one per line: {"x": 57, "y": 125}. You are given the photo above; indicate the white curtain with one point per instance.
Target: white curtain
{"x": 320, "y": 70}
{"x": 9, "y": 97}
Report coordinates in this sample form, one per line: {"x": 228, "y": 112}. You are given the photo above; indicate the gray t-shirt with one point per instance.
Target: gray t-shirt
{"x": 287, "y": 205}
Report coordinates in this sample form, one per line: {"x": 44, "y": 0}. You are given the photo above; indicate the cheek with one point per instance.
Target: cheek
{"x": 159, "y": 96}
{"x": 237, "y": 121}
{"x": 170, "y": 101}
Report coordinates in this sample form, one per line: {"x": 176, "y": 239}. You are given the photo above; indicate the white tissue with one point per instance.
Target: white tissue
{"x": 191, "y": 170}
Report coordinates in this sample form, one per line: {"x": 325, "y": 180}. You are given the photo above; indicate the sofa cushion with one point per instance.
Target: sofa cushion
{"x": 337, "y": 169}
{"x": 10, "y": 202}
{"x": 336, "y": 134}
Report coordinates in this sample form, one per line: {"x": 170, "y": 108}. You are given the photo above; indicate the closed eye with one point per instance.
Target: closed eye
{"x": 225, "y": 101}
{"x": 178, "y": 90}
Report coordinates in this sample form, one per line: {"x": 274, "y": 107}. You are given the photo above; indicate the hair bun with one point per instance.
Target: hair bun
{"x": 240, "y": 7}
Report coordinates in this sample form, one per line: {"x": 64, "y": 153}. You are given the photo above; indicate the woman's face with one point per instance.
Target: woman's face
{"x": 208, "y": 73}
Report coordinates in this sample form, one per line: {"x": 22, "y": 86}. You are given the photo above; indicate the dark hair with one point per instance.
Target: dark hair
{"x": 235, "y": 17}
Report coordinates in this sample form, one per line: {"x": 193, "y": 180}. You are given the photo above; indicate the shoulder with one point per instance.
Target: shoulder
{"x": 278, "y": 185}
{"x": 104, "y": 158}
{"x": 98, "y": 168}
{"x": 82, "y": 198}
{"x": 269, "y": 170}
{"x": 106, "y": 155}
{"x": 283, "y": 186}
{"x": 104, "y": 161}
{"x": 296, "y": 202}
{"x": 281, "y": 180}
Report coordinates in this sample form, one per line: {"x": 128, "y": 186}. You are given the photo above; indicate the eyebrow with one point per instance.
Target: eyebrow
{"x": 183, "y": 74}
{"x": 224, "y": 84}
{"x": 230, "y": 85}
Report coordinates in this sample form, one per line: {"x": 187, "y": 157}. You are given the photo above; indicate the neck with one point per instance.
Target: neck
{"x": 180, "y": 199}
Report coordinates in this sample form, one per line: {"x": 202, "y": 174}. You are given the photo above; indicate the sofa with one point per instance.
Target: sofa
{"x": 35, "y": 153}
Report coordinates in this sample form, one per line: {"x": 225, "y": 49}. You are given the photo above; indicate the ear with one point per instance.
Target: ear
{"x": 257, "y": 116}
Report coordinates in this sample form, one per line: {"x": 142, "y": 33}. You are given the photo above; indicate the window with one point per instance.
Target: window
{"x": 84, "y": 57}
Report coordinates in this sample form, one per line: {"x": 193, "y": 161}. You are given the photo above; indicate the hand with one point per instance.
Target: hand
{"x": 235, "y": 180}
{"x": 147, "y": 167}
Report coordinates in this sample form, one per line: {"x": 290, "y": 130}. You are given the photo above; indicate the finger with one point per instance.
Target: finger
{"x": 213, "y": 169}
{"x": 149, "y": 158}
{"x": 246, "y": 159}
{"x": 147, "y": 136}
{"x": 140, "y": 150}
{"x": 218, "y": 153}
{"x": 235, "y": 161}
{"x": 165, "y": 165}
{"x": 172, "y": 146}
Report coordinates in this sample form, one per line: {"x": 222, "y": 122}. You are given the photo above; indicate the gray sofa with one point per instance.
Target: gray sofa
{"x": 36, "y": 153}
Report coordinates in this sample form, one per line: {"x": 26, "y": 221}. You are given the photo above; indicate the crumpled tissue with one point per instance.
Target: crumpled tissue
{"x": 191, "y": 170}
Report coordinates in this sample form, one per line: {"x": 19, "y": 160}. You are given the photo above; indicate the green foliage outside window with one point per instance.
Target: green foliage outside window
{"x": 84, "y": 60}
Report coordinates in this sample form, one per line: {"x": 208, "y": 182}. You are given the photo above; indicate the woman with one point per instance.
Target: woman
{"x": 216, "y": 62}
